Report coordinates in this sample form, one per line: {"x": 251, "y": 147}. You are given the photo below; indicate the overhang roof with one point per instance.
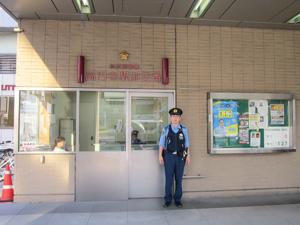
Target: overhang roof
{"x": 241, "y": 13}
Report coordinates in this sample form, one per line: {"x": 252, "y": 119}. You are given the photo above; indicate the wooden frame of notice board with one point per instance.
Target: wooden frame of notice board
{"x": 251, "y": 123}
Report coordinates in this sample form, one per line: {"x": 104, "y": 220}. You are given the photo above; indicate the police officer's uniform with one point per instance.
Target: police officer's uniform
{"x": 175, "y": 142}
{"x": 134, "y": 137}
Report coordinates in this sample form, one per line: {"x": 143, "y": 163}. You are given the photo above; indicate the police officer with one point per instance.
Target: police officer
{"x": 134, "y": 137}
{"x": 173, "y": 154}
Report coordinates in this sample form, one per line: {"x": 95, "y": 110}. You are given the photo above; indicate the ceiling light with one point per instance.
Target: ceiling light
{"x": 85, "y": 2}
{"x": 84, "y": 6}
{"x": 18, "y": 29}
{"x": 295, "y": 19}
{"x": 200, "y": 8}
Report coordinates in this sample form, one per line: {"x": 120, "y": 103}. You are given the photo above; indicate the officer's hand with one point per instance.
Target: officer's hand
{"x": 188, "y": 160}
{"x": 161, "y": 160}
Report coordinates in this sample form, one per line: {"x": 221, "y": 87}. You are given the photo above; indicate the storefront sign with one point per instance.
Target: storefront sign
{"x": 7, "y": 87}
{"x": 124, "y": 76}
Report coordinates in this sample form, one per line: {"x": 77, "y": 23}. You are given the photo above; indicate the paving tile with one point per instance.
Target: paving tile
{"x": 108, "y": 218}
{"x": 69, "y": 219}
{"x": 185, "y": 217}
{"x": 109, "y": 206}
{"x": 147, "y": 218}
{"x": 223, "y": 216}
{"x": 39, "y": 208}
{"x": 73, "y": 207}
{"x": 42, "y": 220}
{"x": 145, "y": 204}
{"x": 32, "y": 219}
{"x": 11, "y": 208}
{"x": 289, "y": 214}
{"x": 5, "y": 219}
{"x": 262, "y": 215}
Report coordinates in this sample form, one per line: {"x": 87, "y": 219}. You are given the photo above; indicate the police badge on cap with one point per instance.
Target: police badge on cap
{"x": 175, "y": 111}
{"x": 135, "y": 132}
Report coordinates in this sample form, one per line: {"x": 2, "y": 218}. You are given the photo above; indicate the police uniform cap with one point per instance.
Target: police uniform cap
{"x": 135, "y": 132}
{"x": 175, "y": 111}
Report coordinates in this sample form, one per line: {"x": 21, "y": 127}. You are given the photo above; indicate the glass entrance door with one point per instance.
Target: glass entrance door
{"x": 119, "y": 134}
{"x": 148, "y": 115}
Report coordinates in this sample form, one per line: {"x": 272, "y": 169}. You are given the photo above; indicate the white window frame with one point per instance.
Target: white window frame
{"x": 127, "y": 92}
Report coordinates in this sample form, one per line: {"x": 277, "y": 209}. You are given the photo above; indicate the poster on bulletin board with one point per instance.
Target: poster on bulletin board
{"x": 251, "y": 123}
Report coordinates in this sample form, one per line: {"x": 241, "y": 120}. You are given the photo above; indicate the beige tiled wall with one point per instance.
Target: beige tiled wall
{"x": 47, "y": 52}
{"x": 211, "y": 59}
{"x": 202, "y": 59}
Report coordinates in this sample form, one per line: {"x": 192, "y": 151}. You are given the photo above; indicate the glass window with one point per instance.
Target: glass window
{"x": 102, "y": 121}
{"x": 6, "y": 112}
{"x": 148, "y": 116}
{"x": 44, "y": 116}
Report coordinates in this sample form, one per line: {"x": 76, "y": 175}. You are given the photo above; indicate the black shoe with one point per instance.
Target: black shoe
{"x": 178, "y": 204}
{"x": 166, "y": 204}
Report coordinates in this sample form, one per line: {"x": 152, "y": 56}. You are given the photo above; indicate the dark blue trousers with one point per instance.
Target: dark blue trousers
{"x": 174, "y": 166}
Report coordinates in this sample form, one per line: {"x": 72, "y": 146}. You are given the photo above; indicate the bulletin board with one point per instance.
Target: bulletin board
{"x": 251, "y": 123}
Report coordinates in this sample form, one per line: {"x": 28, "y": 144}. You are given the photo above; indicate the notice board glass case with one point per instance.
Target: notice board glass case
{"x": 251, "y": 123}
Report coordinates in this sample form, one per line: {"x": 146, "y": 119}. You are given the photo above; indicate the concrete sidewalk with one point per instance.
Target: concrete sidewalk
{"x": 205, "y": 211}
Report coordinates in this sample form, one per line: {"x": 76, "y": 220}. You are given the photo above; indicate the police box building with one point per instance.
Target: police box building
{"x": 104, "y": 74}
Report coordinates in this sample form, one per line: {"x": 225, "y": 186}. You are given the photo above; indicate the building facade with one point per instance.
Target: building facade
{"x": 7, "y": 82}
{"x": 119, "y": 95}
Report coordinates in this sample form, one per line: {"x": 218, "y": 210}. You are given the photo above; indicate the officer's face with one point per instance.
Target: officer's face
{"x": 175, "y": 119}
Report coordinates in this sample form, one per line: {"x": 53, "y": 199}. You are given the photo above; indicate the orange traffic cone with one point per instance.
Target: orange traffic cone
{"x": 8, "y": 189}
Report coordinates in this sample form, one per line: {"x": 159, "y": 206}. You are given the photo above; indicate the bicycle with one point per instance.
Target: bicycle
{"x": 6, "y": 157}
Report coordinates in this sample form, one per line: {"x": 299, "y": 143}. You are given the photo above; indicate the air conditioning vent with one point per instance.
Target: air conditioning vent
{"x": 7, "y": 64}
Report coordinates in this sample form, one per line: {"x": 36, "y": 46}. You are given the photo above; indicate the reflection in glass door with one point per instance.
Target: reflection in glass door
{"x": 148, "y": 114}
{"x": 102, "y": 125}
